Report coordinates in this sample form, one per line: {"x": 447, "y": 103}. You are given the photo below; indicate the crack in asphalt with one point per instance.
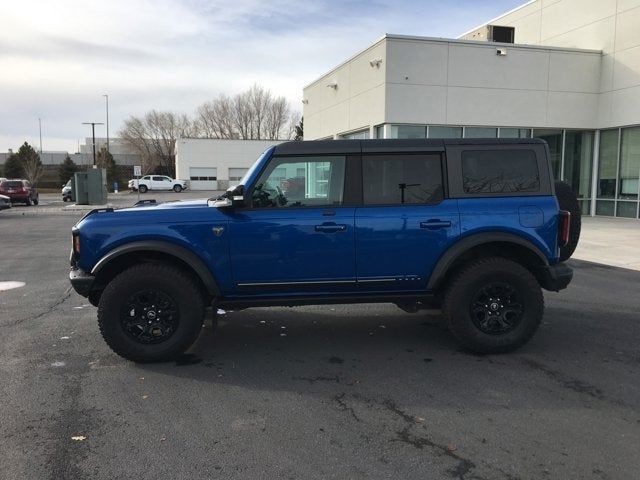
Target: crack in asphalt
{"x": 464, "y": 465}
{"x": 462, "y": 470}
{"x": 339, "y": 399}
{"x": 65, "y": 296}
{"x": 569, "y": 383}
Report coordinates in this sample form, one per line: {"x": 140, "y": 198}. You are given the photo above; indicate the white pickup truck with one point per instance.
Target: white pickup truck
{"x": 157, "y": 182}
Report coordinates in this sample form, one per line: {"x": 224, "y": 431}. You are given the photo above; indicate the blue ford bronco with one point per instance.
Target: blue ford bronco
{"x": 475, "y": 227}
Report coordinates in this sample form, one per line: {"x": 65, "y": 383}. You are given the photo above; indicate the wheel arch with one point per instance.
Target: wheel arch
{"x": 486, "y": 244}
{"x": 148, "y": 251}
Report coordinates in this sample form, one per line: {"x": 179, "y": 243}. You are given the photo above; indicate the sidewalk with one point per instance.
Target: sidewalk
{"x": 611, "y": 241}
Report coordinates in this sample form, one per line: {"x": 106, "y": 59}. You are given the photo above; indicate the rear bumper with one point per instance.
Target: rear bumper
{"x": 555, "y": 277}
{"x": 81, "y": 281}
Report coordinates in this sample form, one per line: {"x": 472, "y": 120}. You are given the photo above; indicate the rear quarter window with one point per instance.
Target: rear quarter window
{"x": 499, "y": 171}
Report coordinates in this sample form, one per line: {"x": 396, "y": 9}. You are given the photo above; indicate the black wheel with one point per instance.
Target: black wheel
{"x": 65, "y": 199}
{"x": 36, "y": 200}
{"x": 177, "y": 188}
{"x": 568, "y": 201}
{"x": 493, "y": 305}
{"x": 142, "y": 188}
{"x": 150, "y": 313}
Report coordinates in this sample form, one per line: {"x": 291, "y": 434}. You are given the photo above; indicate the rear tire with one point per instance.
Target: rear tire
{"x": 493, "y": 305}
{"x": 568, "y": 201}
{"x": 177, "y": 188}
{"x": 142, "y": 188}
{"x": 36, "y": 200}
{"x": 131, "y": 316}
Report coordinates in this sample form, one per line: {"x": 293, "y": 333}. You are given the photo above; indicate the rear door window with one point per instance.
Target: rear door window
{"x": 402, "y": 179}
{"x": 500, "y": 171}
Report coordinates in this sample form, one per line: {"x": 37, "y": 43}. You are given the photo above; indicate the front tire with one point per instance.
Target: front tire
{"x": 177, "y": 188}
{"x": 142, "y": 188}
{"x": 493, "y": 305}
{"x": 151, "y": 313}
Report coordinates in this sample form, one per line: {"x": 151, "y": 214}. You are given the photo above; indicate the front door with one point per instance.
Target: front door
{"x": 405, "y": 223}
{"x": 296, "y": 233}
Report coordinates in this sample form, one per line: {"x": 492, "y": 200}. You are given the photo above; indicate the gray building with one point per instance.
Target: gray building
{"x": 572, "y": 77}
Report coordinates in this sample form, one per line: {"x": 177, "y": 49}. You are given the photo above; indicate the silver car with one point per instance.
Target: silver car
{"x": 5, "y": 202}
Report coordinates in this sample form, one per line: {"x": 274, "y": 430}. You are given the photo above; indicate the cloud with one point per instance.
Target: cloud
{"x": 58, "y": 58}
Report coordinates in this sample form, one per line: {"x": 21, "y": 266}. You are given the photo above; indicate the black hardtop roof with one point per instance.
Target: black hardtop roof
{"x": 311, "y": 147}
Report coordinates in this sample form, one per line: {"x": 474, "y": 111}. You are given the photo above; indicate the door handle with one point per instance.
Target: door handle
{"x": 434, "y": 224}
{"x": 330, "y": 228}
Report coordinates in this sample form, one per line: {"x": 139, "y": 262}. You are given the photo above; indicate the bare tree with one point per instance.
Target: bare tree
{"x": 253, "y": 114}
{"x": 154, "y": 137}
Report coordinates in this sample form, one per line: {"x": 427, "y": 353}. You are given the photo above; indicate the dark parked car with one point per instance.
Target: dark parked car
{"x": 476, "y": 227}
{"x": 19, "y": 191}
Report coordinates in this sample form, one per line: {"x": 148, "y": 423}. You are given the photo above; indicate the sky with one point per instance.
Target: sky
{"x": 57, "y": 58}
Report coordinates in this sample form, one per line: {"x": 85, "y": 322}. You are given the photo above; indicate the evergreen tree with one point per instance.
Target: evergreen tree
{"x": 105, "y": 160}
{"x": 13, "y": 167}
{"x": 67, "y": 169}
{"x": 299, "y": 130}
{"x": 32, "y": 168}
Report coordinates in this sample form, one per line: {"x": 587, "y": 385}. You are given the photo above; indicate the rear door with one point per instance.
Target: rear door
{"x": 406, "y": 221}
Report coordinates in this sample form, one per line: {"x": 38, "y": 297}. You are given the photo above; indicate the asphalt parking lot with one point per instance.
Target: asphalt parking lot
{"x": 312, "y": 392}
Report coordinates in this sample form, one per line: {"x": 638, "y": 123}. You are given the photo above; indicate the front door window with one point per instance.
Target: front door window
{"x": 301, "y": 182}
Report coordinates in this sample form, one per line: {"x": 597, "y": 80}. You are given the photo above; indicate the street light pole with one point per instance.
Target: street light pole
{"x": 93, "y": 136}
{"x": 106, "y": 97}
{"x": 40, "y": 130}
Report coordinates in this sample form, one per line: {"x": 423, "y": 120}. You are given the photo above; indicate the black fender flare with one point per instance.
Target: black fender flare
{"x": 451, "y": 255}
{"x": 181, "y": 253}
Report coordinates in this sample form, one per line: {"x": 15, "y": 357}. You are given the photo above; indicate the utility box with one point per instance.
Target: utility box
{"x": 90, "y": 187}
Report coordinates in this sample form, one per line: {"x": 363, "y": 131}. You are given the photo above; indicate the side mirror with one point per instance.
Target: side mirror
{"x": 233, "y": 197}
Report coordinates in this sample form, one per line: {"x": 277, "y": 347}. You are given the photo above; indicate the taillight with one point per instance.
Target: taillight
{"x": 76, "y": 244}
{"x": 564, "y": 227}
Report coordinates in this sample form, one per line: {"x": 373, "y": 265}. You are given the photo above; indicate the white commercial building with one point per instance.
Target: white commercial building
{"x": 216, "y": 164}
{"x": 572, "y": 77}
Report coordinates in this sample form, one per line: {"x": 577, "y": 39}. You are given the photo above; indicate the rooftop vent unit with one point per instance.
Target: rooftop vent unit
{"x": 497, "y": 33}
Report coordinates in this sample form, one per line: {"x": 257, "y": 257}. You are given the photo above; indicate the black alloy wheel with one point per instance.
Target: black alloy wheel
{"x": 150, "y": 316}
{"x": 497, "y": 308}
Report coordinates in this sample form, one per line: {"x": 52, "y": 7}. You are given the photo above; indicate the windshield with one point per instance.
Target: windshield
{"x": 252, "y": 170}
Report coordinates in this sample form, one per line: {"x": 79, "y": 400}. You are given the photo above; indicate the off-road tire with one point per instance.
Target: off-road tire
{"x": 177, "y": 188}
{"x": 168, "y": 280}
{"x": 459, "y": 298}
{"x": 568, "y": 201}
{"x": 142, "y": 189}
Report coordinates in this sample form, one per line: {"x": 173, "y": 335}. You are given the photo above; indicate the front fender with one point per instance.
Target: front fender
{"x": 188, "y": 257}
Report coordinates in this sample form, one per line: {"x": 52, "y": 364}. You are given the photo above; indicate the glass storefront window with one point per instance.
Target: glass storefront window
{"x": 439, "y": 131}
{"x": 380, "y": 131}
{"x": 605, "y": 207}
{"x": 554, "y": 139}
{"x": 608, "y": 164}
{"x": 627, "y": 209}
{"x": 578, "y": 158}
{"x": 359, "y": 135}
{"x": 408, "y": 131}
{"x": 629, "y": 164}
{"x": 515, "y": 132}
{"x": 480, "y": 132}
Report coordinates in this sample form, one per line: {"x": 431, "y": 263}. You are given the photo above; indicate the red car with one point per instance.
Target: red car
{"x": 19, "y": 191}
